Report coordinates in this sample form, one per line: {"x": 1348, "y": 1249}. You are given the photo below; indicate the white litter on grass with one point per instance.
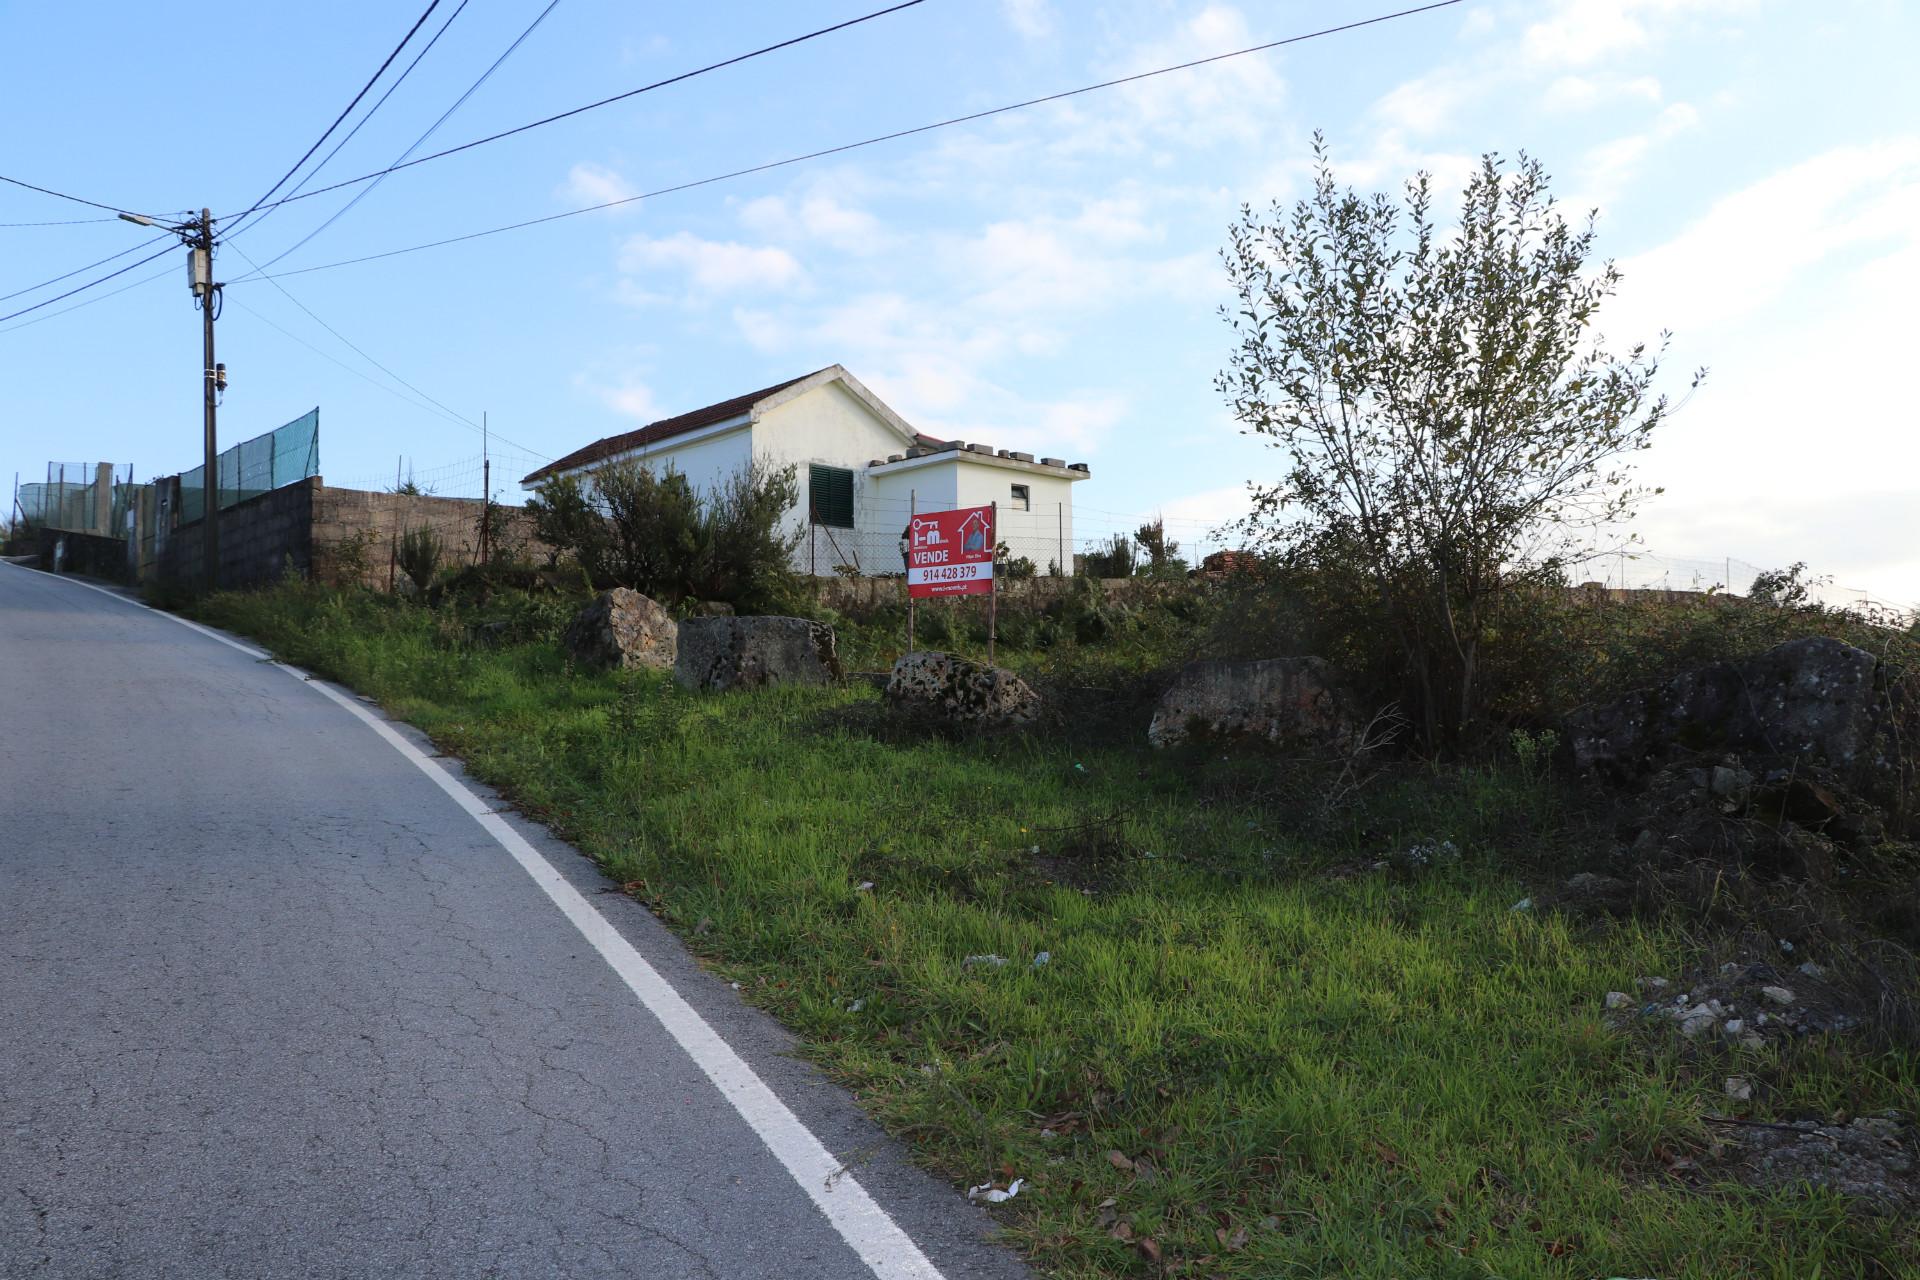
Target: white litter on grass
{"x": 993, "y": 1195}
{"x": 992, "y": 961}
{"x": 1525, "y": 904}
{"x": 1044, "y": 958}
{"x": 865, "y": 886}
{"x": 857, "y": 1005}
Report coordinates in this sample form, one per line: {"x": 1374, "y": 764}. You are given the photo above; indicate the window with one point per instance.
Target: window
{"x": 830, "y": 496}
{"x": 1022, "y": 498}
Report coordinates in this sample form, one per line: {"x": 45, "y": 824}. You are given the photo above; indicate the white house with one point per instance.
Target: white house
{"x": 861, "y": 471}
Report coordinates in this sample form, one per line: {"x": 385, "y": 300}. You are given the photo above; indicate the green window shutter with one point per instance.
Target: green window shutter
{"x": 830, "y": 496}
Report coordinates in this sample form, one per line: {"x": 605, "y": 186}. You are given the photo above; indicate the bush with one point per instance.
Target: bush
{"x": 631, "y": 526}
{"x": 1115, "y": 560}
{"x": 419, "y": 556}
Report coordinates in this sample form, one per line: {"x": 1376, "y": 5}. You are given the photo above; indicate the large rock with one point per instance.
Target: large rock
{"x": 748, "y": 653}
{"x": 1812, "y": 700}
{"x": 1292, "y": 702}
{"x": 961, "y": 692}
{"x": 622, "y": 628}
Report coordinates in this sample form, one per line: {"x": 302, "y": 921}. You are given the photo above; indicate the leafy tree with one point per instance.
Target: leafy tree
{"x": 1449, "y": 413}
{"x": 1163, "y": 555}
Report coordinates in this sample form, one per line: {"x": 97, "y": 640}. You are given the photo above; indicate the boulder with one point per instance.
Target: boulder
{"x": 1290, "y": 702}
{"x": 960, "y": 692}
{"x": 749, "y": 653}
{"x": 1811, "y": 699}
{"x": 622, "y": 628}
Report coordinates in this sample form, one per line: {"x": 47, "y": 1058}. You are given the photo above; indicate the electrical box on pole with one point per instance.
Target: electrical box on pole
{"x": 199, "y": 270}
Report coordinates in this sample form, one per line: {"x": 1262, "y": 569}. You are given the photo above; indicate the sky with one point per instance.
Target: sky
{"x": 1045, "y": 280}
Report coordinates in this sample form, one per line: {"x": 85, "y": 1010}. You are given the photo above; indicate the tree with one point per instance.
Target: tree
{"x": 1163, "y": 556}
{"x": 1449, "y": 412}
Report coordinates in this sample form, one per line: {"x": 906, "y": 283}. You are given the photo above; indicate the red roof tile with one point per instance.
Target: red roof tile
{"x": 654, "y": 432}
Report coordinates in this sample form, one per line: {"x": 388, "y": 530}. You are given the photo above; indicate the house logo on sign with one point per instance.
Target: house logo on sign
{"x": 973, "y": 533}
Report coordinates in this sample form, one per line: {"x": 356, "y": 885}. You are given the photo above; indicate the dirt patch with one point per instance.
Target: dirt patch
{"x": 1872, "y": 1159}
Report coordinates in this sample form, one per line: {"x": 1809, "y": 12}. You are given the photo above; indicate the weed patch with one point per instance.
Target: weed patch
{"x": 1136, "y": 980}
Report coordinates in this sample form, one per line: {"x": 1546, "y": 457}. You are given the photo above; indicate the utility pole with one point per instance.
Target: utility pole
{"x": 197, "y": 235}
{"x": 213, "y": 377}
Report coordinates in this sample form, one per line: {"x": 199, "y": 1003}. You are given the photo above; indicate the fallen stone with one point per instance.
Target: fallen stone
{"x": 1289, "y": 702}
{"x": 622, "y": 628}
{"x": 1739, "y": 1088}
{"x": 717, "y": 654}
{"x": 1696, "y": 1021}
{"x": 960, "y": 692}
{"x": 1779, "y": 995}
{"x": 1618, "y": 999}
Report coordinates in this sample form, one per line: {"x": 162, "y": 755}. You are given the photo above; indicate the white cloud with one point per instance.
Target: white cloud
{"x": 1583, "y": 93}
{"x": 1238, "y": 99}
{"x": 633, "y": 400}
{"x": 710, "y": 266}
{"x": 1749, "y": 246}
{"x": 815, "y": 216}
{"x": 1031, "y": 18}
{"x": 1609, "y": 165}
{"x": 589, "y": 184}
{"x": 1584, "y": 32}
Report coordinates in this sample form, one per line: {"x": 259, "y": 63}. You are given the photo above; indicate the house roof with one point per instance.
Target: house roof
{"x": 664, "y": 429}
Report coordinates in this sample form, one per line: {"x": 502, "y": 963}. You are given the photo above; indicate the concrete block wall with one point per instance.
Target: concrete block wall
{"x": 260, "y": 539}
{"x": 357, "y": 532}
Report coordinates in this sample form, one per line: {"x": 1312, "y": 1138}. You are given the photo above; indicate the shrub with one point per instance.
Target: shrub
{"x": 419, "y": 556}
{"x": 629, "y": 525}
{"x": 1115, "y": 560}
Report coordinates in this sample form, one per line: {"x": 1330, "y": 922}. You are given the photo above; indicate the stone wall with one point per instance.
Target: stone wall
{"x": 846, "y": 594}
{"x": 357, "y": 533}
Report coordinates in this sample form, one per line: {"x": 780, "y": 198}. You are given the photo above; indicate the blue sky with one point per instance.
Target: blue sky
{"x": 1046, "y": 280}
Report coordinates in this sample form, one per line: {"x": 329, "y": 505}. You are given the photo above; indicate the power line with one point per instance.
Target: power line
{"x": 365, "y": 191}
{"x": 90, "y": 266}
{"x": 874, "y": 141}
{"x": 294, "y": 337}
{"x": 381, "y": 102}
{"x": 88, "y": 285}
{"x": 98, "y": 297}
{"x": 61, "y": 222}
{"x": 417, "y": 23}
{"x": 61, "y": 195}
{"x": 455, "y": 414}
{"x": 619, "y": 97}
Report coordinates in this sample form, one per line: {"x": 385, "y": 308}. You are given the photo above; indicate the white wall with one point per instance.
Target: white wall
{"x": 706, "y": 462}
{"x": 1040, "y": 533}
{"x": 831, "y": 426}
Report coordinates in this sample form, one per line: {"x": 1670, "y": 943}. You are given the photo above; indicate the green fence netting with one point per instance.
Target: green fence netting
{"x": 252, "y": 467}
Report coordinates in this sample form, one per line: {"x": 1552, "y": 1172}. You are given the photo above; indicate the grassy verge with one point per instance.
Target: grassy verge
{"x": 1207, "y": 1048}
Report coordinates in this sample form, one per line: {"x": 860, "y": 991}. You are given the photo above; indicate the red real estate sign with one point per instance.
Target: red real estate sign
{"x": 950, "y": 553}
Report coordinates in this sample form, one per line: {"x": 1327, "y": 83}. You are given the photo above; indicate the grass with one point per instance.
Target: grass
{"x": 1236, "y": 1058}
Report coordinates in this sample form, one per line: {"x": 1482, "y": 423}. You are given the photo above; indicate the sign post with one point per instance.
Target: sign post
{"x": 993, "y": 583}
{"x": 950, "y": 553}
{"x": 906, "y": 555}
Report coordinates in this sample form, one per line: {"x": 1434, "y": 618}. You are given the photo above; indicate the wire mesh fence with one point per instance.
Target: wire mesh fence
{"x": 279, "y": 457}
{"x": 498, "y": 470}
{"x": 81, "y": 497}
{"x": 1054, "y": 537}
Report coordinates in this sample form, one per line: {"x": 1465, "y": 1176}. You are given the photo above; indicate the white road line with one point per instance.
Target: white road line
{"x": 868, "y": 1229}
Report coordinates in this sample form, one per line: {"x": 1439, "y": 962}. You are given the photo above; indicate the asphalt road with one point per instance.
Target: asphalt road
{"x": 274, "y": 1003}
